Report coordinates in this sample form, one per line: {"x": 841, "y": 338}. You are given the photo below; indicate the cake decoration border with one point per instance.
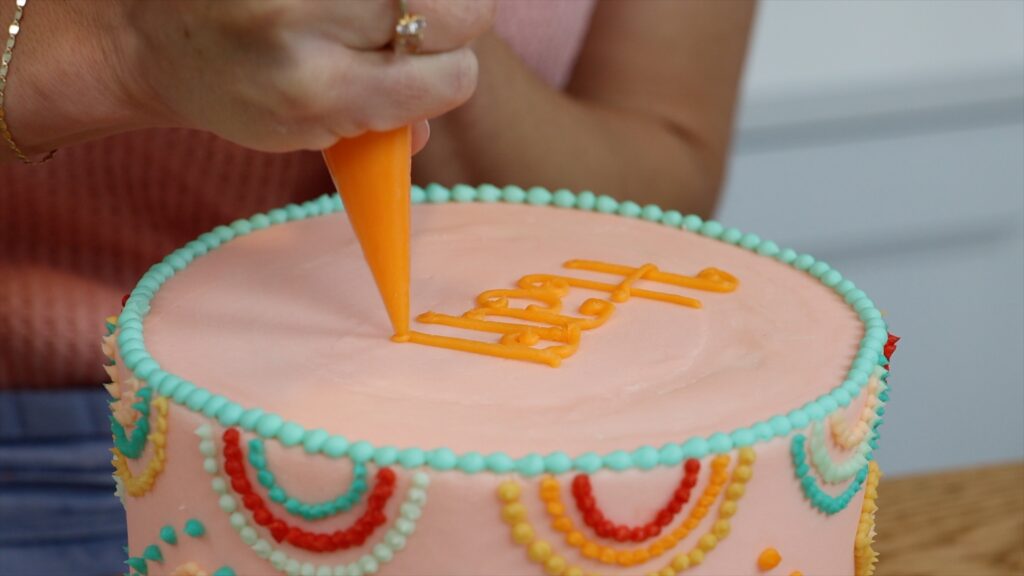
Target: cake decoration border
{"x": 135, "y": 356}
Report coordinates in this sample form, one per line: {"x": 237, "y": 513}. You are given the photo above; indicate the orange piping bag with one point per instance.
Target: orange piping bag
{"x": 373, "y": 174}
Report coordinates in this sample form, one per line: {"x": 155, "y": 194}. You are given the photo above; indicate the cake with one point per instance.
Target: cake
{"x": 688, "y": 398}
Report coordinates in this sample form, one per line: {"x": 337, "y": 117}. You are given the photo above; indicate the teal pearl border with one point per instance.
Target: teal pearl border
{"x": 258, "y": 459}
{"x": 272, "y": 427}
{"x": 824, "y": 502}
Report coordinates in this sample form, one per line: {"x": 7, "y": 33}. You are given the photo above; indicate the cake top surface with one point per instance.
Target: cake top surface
{"x": 287, "y": 319}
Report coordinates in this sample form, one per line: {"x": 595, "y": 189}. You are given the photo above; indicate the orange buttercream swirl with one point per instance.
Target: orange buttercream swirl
{"x": 523, "y": 328}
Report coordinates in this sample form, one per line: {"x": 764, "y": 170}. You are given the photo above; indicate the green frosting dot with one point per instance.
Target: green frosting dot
{"x": 719, "y": 443}
{"x": 564, "y": 198}
{"x": 557, "y": 462}
{"x": 672, "y": 218}
{"x": 618, "y": 460}
{"x": 463, "y": 193}
{"x": 471, "y": 462}
{"x": 586, "y": 200}
{"x": 530, "y": 465}
{"x": 291, "y": 434}
{"x": 441, "y": 459}
{"x": 168, "y": 535}
{"x": 437, "y": 194}
{"x": 228, "y": 415}
{"x": 652, "y": 212}
{"x": 488, "y": 193}
{"x": 645, "y": 457}
{"x": 194, "y": 528}
{"x": 513, "y": 195}
{"x": 629, "y": 209}
{"x": 711, "y": 229}
{"x": 670, "y": 454}
{"x": 361, "y": 451}
{"x": 153, "y": 553}
{"x": 412, "y": 458}
{"x": 606, "y": 204}
{"x": 335, "y": 446}
{"x": 538, "y": 196}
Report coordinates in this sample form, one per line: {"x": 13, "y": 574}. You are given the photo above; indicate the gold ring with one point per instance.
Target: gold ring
{"x": 409, "y": 30}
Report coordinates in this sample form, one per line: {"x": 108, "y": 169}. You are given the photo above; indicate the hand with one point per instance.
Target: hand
{"x": 282, "y": 75}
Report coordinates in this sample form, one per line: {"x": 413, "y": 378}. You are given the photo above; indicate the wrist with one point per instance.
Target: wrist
{"x": 70, "y": 76}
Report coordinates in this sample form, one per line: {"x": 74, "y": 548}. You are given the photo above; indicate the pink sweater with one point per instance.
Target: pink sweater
{"x": 75, "y": 234}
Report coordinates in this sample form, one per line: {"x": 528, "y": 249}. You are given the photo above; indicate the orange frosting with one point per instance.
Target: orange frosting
{"x": 372, "y": 173}
{"x": 543, "y": 320}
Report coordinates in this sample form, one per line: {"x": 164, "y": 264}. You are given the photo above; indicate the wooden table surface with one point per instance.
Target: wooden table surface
{"x": 960, "y": 523}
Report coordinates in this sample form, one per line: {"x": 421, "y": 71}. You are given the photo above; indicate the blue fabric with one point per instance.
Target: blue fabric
{"x": 58, "y": 512}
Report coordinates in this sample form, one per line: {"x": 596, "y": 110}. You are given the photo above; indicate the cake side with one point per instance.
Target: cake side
{"x": 471, "y": 491}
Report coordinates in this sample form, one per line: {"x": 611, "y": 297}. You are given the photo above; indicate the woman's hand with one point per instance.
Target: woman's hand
{"x": 281, "y": 75}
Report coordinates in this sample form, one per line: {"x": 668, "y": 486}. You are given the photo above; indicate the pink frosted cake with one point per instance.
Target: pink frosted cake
{"x": 678, "y": 397}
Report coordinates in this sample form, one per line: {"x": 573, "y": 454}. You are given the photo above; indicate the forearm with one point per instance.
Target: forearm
{"x": 517, "y": 130}
{"x": 67, "y": 81}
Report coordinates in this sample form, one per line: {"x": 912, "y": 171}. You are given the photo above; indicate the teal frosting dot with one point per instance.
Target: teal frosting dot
{"x": 229, "y": 415}
{"x": 385, "y": 455}
{"x": 731, "y": 236}
{"x": 720, "y": 443}
{"x": 672, "y": 218}
{"x": 214, "y": 405}
{"x": 645, "y": 457}
{"x": 197, "y": 398}
{"x": 224, "y": 571}
{"x": 168, "y": 535}
{"x": 295, "y": 212}
{"x": 768, "y": 248}
{"x": 841, "y": 397}
{"x": 670, "y": 454}
{"x": 763, "y": 431}
{"x": 249, "y": 418}
{"x": 335, "y": 447}
{"x": 417, "y": 195}
{"x": 198, "y": 248}
{"x": 538, "y": 196}
{"x": 618, "y": 460}
{"x": 530, "y": 465}
{"x": 629, "y": 209}
{"x": 513, "y": 195}
{"x": 437, "y": 194}
{"x": 182, "y": 392}
{"x": 711, "y": 229}
{"x": 178, "y": 259}
{"x": 844, "y": 287}
{"x": 828, "y": 404}
{"x": 412, "y": 457}
{"x": 224, "y": 233}
{"x": 557, "y": 462}
{"x": 500, "y": 462}
{"x": 854, "y": 295}
{"x": 260, "y": 221}
{"x": 564, "y": 198}
{"x": 831, "y": 278}
{"x": 314, "y": 440}
{"x": 818, "y": 268}
{"x": 441, "y": 459}
{"x": 157, "y": 378}
{"x": 138, "y": 564}
{"x": 277, "y": 216}
{"x": 694, "y": 223}
{"x": 781, "y": 425}
{"x": 471, "y": 462}
{"x": 268, "y": 425}
{"x": 361, "y": 451}
{"x": 153, "y": 553}
{"x": 799, "y": 419}
{"x": 803, "y": 262}
{"x": 588, "y": 462}
{"x": 814, "y": 411}
{"x": 586, "y": 200}
{"x": 291, "y": 434}
{"x": 696, "y": 447}
{"x": 194, "y": 528}
{"x": 463, "y": 193}
{"x": 742, "y": 437}
{"x": 606, "y": 204}
{"x": 488, "y": 193}
{"x": 651, "y": 212}
{"x": 750, "y": 241}
{"x": 241, "y": 227}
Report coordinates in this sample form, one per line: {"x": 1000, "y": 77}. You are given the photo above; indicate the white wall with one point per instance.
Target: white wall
{"x": 888, "y": 139}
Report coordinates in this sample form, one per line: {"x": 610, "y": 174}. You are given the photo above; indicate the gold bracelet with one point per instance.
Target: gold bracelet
{"x": 5, "y": 63}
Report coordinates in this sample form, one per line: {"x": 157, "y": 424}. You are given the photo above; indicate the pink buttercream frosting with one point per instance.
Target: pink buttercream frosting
{"x": 286, "y": 319}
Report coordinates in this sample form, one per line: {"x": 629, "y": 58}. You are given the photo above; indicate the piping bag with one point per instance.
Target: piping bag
{"x": 373, "y": 174}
